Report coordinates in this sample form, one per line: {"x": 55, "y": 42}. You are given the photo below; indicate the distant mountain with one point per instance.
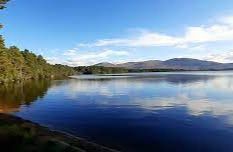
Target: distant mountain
{"x": 151, "y": 64}
{"x": 105, "y": 64}
{"x": 176, "y": 63}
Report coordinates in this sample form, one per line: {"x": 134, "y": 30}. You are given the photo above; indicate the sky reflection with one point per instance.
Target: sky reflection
{"x": 156, "y": 112}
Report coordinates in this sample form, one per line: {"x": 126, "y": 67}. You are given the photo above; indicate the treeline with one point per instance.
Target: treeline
{"x": 99, "y": 70}
{"x": 16, "y": 65}
{"x": 115, "y": 70}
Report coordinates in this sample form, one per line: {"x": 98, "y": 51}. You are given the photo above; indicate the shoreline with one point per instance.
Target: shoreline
{"x": 60, "y": 140}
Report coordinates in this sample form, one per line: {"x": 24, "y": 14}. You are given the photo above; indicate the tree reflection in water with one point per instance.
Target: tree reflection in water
{"x": 13, "y": 95}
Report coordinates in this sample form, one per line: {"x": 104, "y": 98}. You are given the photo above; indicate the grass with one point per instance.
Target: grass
{"x": 18, "y": 135}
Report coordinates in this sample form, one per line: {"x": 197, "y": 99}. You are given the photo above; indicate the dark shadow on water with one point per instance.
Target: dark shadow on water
{"x": 13, "y": 95}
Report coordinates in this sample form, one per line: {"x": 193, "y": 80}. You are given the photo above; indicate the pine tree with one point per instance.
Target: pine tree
{"x": 5, "y": 64}
{"x": 22, "y": 65}
{"x": 17, "y": 61}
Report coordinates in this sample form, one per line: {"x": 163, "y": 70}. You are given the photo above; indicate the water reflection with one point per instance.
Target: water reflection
{"x": 13, "y": 95}
{"x": 134, "y": 113}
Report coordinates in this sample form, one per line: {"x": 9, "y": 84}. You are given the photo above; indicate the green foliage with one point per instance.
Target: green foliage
{"x": 5, "y": 64}
{"x": 26, "y": 138}
{"x": 115, "y": 70}
{"x": 16, "y": 65}
{"x": 99, "y": 70}
{"x": 18, "y": 135}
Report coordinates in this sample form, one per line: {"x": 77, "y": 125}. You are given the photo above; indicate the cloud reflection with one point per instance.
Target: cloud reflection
{"x": 199, "y": 95}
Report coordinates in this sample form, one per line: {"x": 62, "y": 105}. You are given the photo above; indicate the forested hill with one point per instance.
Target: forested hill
{"x": 99, "y": 70}
{"x": 18, "y": 65}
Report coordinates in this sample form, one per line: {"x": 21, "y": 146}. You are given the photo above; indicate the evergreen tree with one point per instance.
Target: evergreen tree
{"x": 5, "y": 65}
{"x": 17, "y": 61}
{"x": 18, "y": 65}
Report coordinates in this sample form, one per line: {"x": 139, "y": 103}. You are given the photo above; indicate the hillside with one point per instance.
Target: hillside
{"x": 175, "y": 64}
{"x": 105, "y": 64}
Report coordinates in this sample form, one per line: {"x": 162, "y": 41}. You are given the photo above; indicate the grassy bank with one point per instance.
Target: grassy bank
{"x": 18, "y": 135}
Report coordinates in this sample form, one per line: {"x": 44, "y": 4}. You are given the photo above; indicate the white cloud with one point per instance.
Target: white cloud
{"x": 226, "y": 57}
{"x": 194, "y": 38}
{"x": 145, "y": 39}
{"x": 53, "y": 60}
{"x": 221, "y": 30}
{"x": 76, "y": 58}
{"x": 70, "y": 52}
{"x": 227, "y": 20}
{"x": 192, "y": 47}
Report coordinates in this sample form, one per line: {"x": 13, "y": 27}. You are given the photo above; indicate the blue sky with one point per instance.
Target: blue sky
{"x": 84, "y": 32}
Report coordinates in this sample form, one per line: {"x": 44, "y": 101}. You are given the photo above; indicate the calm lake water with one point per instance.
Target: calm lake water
{"x": 147, "y": 112}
